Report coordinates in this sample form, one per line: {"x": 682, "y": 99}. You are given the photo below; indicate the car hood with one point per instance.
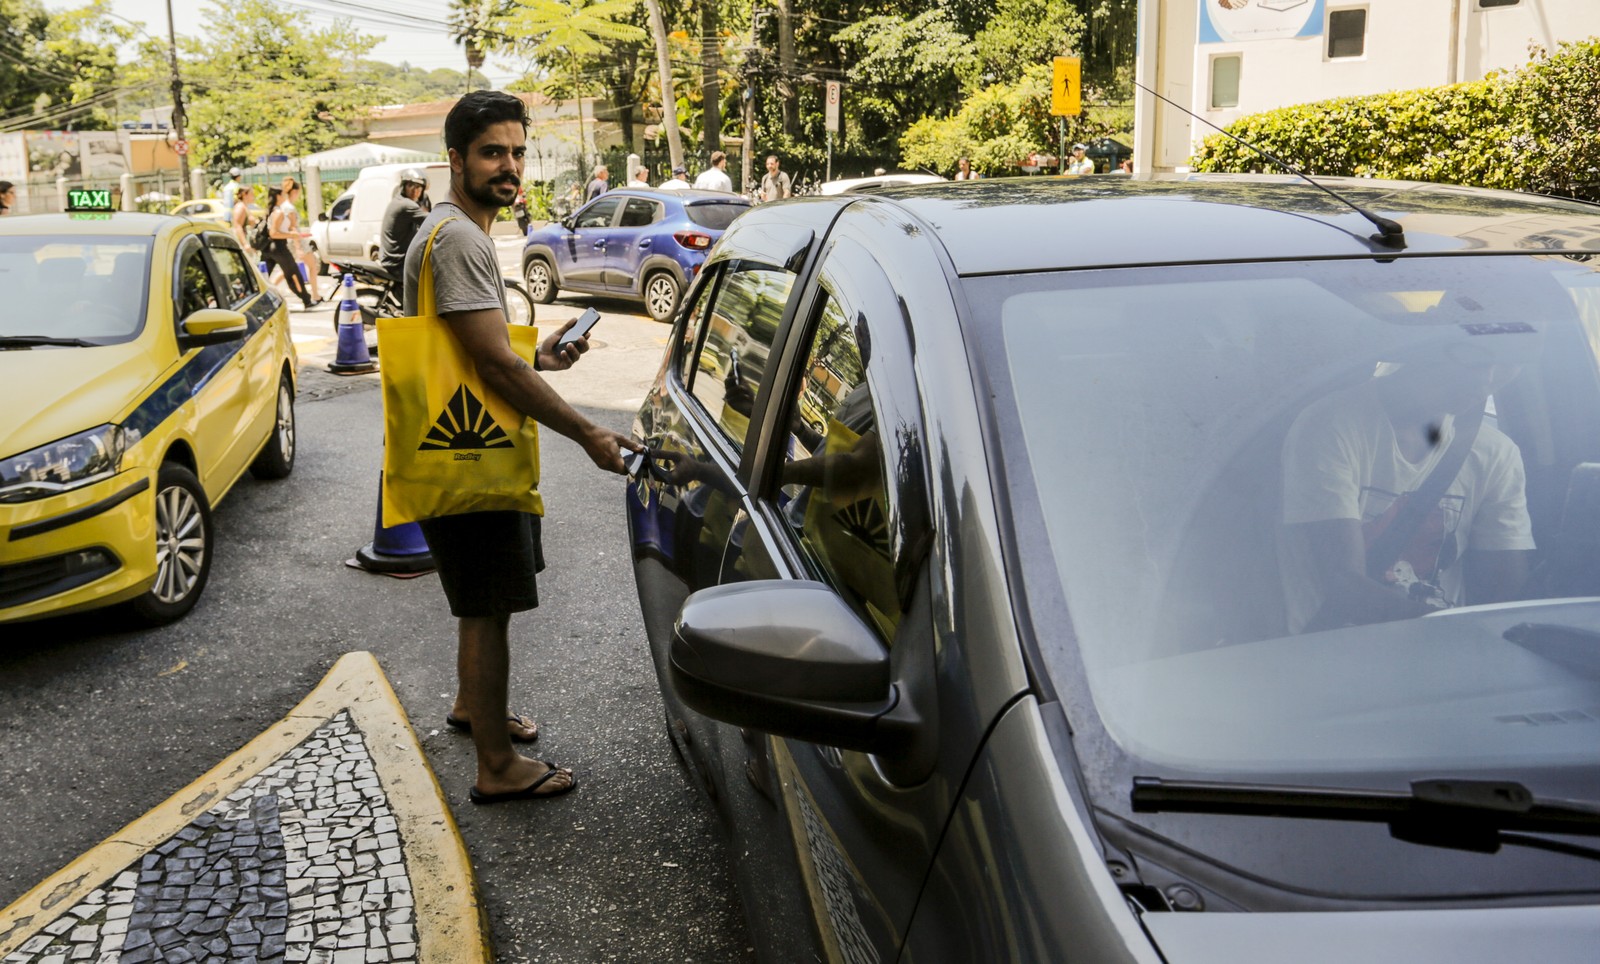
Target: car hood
{"x": 1550, "y": 935}
{"x": 50, "y": 393}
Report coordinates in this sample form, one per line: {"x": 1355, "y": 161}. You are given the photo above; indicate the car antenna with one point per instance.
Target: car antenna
{"x": 1390, "y": 234}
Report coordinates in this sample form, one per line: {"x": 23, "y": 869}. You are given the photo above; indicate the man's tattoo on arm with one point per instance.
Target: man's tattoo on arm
{"x": 522, "y": 364}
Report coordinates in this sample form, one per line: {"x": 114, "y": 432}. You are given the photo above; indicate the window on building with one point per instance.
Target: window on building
{"x": 1347, "y": 33}
{"x": 1225, "y": 81}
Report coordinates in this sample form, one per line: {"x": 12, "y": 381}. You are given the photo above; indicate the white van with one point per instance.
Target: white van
{"x": 352, "y": 226}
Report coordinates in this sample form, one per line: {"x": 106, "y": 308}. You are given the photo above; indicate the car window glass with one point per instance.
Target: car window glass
{"x": 639, "y": 212}
{"x": 833, "y": 481}
{"x": 73, "y": 288}
{"x": 195, "y": 290}
{"x": 237, "y": 278}
{"x": 598, "y": 214}
{"x": 733, "y": 354}
{"x": 341, "y": 209}
{"x": 716, "y": 215}
{"x": 693, "y": 328}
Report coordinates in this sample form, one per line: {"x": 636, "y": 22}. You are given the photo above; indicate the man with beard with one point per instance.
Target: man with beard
{"x": 487, "y": 560}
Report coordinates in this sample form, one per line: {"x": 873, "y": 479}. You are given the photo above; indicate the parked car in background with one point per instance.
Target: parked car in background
{"x": 144, "y": 367}
{"x": 1010, "y": 658}
{"x": 857, "y": 185}
{"x": 353, "y": 224}
{"x": 636, "y": 243}
{"x": 212, "y": 209}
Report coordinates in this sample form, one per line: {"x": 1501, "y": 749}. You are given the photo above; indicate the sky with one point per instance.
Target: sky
{"x": 425, "y": 44}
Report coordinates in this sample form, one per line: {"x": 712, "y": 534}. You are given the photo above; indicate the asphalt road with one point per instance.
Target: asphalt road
{"x": 98, "y": 723}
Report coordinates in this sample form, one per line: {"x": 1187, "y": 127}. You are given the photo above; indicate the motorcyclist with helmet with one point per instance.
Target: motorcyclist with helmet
{"x": 400, "y": 222}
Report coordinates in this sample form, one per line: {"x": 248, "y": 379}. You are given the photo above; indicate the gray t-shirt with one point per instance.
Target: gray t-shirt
{"x": 466, "y": 270}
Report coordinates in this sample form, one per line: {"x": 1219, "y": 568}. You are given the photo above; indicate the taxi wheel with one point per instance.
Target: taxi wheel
{"x": 182, "y": 547}
{"x": 276, "y": 461}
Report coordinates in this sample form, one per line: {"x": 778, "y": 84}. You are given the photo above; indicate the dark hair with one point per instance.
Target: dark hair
{"x": 474, "y": 113}
{"x": 273, "y": 193}
{"x": 4, "y": 187}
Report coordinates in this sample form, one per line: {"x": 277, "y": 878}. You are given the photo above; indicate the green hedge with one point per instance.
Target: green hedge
{"x": 1536, "y": 129}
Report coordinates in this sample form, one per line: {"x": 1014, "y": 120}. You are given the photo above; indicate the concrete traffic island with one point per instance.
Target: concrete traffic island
{"x": 326, "y": 840}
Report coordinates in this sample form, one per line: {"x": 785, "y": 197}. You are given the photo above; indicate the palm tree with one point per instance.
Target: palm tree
{"x": 567, "y": 31}
{"x": 472, "y": 24}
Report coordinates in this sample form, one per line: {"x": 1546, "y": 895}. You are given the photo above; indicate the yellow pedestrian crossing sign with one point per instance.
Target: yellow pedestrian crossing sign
{"x": 1066, "y": 90}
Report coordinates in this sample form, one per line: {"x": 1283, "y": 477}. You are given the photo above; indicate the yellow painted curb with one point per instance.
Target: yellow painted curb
{"x": 450, "y": 923}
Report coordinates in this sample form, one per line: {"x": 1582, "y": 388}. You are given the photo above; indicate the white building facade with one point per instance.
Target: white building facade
{"x": 1223, "y": 59}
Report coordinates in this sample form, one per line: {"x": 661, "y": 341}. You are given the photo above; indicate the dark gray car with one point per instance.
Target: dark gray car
{"x": 1140, "y": 569}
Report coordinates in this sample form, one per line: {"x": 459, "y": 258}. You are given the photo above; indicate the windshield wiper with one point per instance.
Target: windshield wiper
{"x": 31, "y": 341}
{"x": 1464, "y": 814}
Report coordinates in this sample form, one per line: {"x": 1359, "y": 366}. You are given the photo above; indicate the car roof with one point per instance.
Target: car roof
{"x": 119, "y": 224}
{"x": 1007, "y": 225}
{"x": 848, "y": 184}
{"x": 687, "y": 195}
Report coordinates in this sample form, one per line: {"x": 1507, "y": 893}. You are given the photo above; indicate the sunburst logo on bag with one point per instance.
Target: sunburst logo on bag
{"x": 465, "y": 424}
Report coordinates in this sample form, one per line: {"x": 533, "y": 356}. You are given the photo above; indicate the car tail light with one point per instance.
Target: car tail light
{"x": 693, "y": 240}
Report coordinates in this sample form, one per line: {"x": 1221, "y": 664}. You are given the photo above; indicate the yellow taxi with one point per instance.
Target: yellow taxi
{"x": 144, "y": 367}
{"x": 213, "y": 209}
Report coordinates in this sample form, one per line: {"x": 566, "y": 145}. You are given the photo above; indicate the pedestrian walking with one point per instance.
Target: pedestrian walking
{"x": 775, "y": 184}
{"x": 600, "y": 184}
{"x": 283, "y": 225}
{"x": 715, "y": 177}
{"x": 8, "y": 197}
{"x": 678, "y": 181}
{"x": 641, "y": 177}
{"x": 229, "y": 192}
{"x": 964, "y": 171}
{"x": 304, "y": 255}
{"x": 239, "y": 218}
{"x": 487, "y": 561}
{"x": 519, "y": 211}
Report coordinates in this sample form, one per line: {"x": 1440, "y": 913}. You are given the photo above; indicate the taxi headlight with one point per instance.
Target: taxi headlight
{"x": 69, "y": 463}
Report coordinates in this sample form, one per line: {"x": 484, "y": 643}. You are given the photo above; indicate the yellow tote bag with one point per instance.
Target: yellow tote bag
{"x": 449, "y": 444}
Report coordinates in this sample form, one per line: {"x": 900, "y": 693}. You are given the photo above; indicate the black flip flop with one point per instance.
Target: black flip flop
{"x": 465, "y": 726}
{"x": 530, "y": 792}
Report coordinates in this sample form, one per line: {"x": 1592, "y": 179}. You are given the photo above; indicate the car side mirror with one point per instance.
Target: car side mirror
{"x": 786, "y": 657}
{"x": 209, "y": 326}
{"x": 323, "y": 216}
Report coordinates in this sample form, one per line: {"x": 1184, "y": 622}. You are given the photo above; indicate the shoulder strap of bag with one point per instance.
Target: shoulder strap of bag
{"x": 1386, "y": 549}
{"x": 426, "y": 306}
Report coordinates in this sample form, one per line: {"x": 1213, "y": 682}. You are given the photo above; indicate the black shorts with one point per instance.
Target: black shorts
{"x": 487, "y": 561}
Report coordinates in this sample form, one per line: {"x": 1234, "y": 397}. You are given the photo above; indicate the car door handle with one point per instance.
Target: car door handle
{"x": 599, "y": 244}
{"x": 644, "y": 244}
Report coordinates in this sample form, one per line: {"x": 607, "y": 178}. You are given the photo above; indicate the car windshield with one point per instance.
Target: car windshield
{"x": 73, "y": 287}
{"x": 1221, "y": 465}
{"x": 716, "y": 215}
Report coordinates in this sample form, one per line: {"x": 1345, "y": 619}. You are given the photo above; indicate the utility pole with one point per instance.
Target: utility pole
{"x": 177, "y": 109}
{"x": 749, "y": 146}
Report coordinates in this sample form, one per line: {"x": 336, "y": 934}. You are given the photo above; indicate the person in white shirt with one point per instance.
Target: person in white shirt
{"x": 1080, "y": 163}
{"x": 715, "y": 177}
{"x": 230, "y": 191}
{"x": 676, "y": 182}
{"x": 1350, "y": 463}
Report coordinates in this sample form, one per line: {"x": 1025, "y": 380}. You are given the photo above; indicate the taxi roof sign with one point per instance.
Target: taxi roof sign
{"x": 88, "y": 199}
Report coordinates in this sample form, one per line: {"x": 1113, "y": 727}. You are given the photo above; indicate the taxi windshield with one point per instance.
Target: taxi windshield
{"x": 1313, "y": 518}
{"x": 70, "y": 290}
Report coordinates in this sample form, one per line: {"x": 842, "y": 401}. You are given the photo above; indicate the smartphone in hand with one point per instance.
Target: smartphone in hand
{"x": 582, "y": 327}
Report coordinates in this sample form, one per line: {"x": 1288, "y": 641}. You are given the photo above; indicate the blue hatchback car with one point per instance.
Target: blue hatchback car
{"x": 636, "y": 243}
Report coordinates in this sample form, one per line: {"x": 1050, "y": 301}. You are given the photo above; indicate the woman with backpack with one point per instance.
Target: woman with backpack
{"x": 240, "y": 219}
{"x": 283, "y": 226}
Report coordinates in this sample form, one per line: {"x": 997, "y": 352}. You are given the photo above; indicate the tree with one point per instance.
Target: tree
{"x": 669, "y": 100}
{"x": 263, "y": 83}
{"x": 902, "y": 70}
{"x": 568, "y": 31}
{"x": 1024, "y": 34}
{"x": 472, "y": 26}
{"x": 59, "y": 70}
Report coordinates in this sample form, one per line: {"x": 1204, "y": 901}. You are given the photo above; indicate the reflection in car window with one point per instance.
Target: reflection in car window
{"x": 639, "y": 212}
{"x": 733, "y": 354}
{"x": 238, "y": 278}
{"x": 694, "y": 326}
{"x": 194, "y": 283}
{"x": 1219, "y": 457}
{"x": 598, "y": 214}
{"x": 71, "y": 288}
{"x": 833, "y": 477}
